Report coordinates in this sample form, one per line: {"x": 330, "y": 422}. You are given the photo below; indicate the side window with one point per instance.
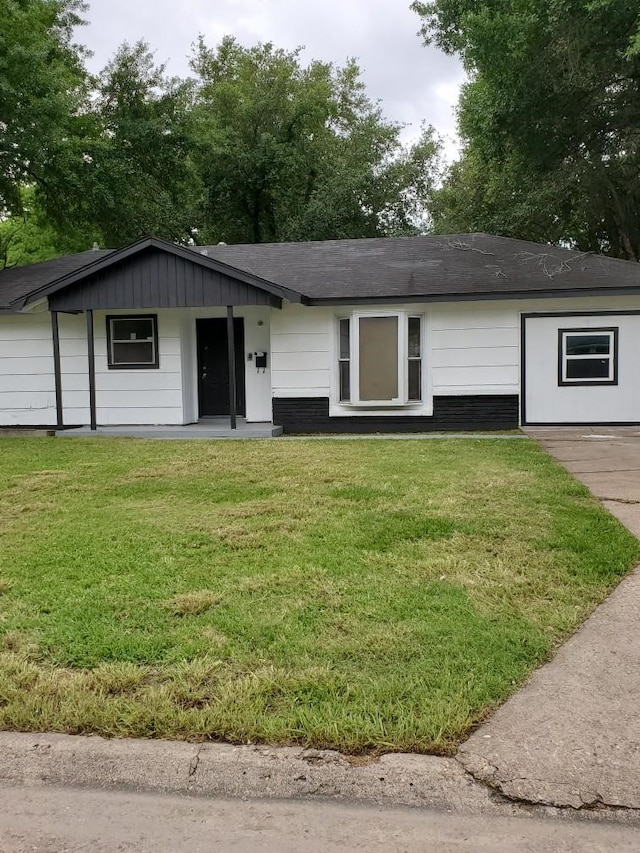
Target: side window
{"x": 414, "y": 359}
{"x": 132, "y": 342}
{"x": 588, "y": 356}
{"x": 344, "y": 360}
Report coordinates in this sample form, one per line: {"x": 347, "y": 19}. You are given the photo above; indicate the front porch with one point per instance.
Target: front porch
{"x": 171, "y": 336}
{"x": 208, "y": 428}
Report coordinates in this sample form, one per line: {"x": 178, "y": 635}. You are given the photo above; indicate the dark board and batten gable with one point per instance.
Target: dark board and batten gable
{"x": 158, "y": 279}
{"x": 148, "y": 274}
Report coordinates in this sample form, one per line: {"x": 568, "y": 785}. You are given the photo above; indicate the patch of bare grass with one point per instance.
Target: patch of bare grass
{"x": 19, "y": 642}
{"x": 192, "y": 603}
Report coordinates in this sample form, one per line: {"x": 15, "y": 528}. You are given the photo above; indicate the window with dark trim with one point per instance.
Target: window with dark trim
{"x": 132, "y": 342}
{"x": 588, "y": 356}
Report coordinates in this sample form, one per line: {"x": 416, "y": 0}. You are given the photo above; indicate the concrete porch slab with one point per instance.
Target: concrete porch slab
{"x": 212, "y": 428}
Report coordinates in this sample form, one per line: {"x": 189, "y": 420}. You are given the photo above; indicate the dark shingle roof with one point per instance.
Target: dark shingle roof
{"x": 460, "y": 266}
{"x": 18, "y": 282}
{"x": 402, "y": 267}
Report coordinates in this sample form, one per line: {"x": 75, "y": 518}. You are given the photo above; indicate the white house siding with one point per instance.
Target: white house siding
{"x": 152, "y": 396}
{"x": 167, "y": 395}
{"x": 301, "y": 351}
{"x": 473, "y": 349}
{"x": 27, "y": 384}
{"x": 257, "y": 334}
{"x": 188, "y": 364}
{"x": 469, "y": 349}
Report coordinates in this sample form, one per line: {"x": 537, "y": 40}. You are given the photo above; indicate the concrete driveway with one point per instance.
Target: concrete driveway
{"x": 571, "y": 736}
{"x": 606, "y": 460}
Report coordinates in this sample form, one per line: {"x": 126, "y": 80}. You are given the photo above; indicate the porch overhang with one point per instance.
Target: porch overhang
{"x": 156, "y": 274}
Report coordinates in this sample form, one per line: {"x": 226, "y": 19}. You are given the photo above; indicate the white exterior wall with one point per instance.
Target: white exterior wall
{"x": 147, "y": 396}
{"x": 27, "y": 384}
{"x": 469, "y": 348}
{"x": 257, "y": 338}
{"x": 302, "y": 346}
{"x": 547, "y": 401}
{"x": 473, "y": 349}
{"x": 166, "y": 395}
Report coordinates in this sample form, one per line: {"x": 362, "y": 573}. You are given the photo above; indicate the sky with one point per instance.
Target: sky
{"x": 414, "y": 83}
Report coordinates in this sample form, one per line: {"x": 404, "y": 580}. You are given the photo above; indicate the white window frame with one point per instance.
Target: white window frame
{"x": 612, "y": 357}
{"x": 402, "y": 401}
{"x": 419, "y": 359}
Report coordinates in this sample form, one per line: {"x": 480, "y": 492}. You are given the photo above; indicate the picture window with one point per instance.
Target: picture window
{"x": 380, "y": 359}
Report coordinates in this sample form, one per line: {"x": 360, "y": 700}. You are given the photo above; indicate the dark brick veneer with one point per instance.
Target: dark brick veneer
{"x": 311, "y": 414}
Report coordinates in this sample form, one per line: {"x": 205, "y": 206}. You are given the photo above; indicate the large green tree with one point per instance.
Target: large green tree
{"x": 103, "y": 158}
{"x": 294, "y": 152}
{"x": 42, "y": 86}
{"x": 129, "y": 170}
{"x": 550, "y": 119}
{"x": 29, "y": 236}
{"x": 256, "y": 147}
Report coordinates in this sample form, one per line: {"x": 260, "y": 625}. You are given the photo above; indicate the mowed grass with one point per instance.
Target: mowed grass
{"x": 363, "y": 595}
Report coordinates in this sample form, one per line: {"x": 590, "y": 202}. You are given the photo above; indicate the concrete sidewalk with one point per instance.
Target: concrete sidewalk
{"x": 571, "y": 736}
{"x": 606, "y": 460}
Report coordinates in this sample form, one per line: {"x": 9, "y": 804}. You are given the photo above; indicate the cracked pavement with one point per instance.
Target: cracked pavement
{"x": 571, "y": 736}
{"x": 51, "y": 820}
{"x": 246, "y": 772}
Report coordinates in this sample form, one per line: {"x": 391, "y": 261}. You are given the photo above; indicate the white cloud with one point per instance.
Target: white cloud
{"x": 414, "y": 83}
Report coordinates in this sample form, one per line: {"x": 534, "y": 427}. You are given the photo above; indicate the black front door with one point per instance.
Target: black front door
{"x": 213, "y": 367}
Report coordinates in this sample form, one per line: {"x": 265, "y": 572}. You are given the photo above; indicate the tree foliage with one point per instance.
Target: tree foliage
{"x": 129, "y": 170}
{"x": 289, "y": 152}
{"x": 29, "y": 236}
{"x": 256, "y": 147}
{"x": 42, "y": 85}
{"x": 550, "y": 119}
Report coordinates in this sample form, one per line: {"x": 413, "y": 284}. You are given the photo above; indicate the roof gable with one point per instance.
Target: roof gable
{"x": 155, "y": 274}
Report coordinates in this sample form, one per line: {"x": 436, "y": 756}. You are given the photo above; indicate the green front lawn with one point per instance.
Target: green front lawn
{"x": 362, "y": 595}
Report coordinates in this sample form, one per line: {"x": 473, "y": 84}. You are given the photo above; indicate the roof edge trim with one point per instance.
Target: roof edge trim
{"x": 468, "y": 296}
